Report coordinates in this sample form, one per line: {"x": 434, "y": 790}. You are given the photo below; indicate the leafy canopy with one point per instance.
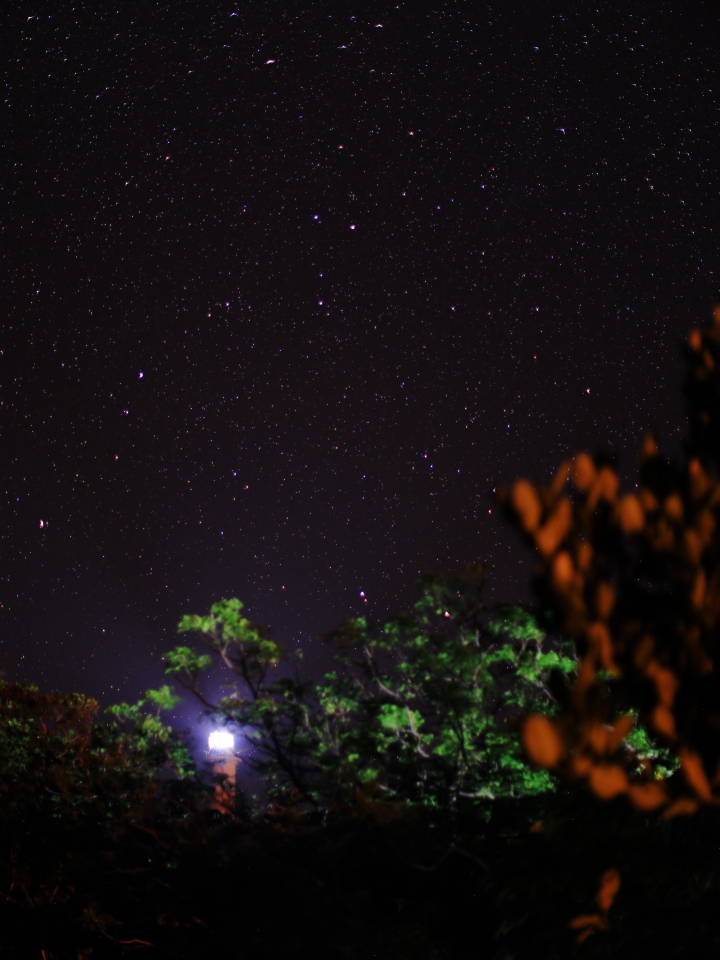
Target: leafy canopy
{"x": 420, "y": 710}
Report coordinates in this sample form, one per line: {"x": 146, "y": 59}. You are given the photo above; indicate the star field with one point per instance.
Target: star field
{"x": 289, "y": 288}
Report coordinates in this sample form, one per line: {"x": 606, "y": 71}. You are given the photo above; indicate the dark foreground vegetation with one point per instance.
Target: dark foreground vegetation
{"x": 384, "y": 836}
{"x": 468, "y": 782}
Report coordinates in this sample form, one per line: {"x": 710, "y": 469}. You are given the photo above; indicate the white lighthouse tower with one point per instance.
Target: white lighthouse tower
{"x": 221, "y": 751}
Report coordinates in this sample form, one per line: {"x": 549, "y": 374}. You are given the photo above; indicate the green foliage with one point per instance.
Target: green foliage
{"x": 146, "y": 736}
{"x": 225, "y": 630}
{"x": 434, "y": 695}
{"x": 55, "y": 755}
{"x": 88, "y": 813}
{"x": 643, "y": 747}
{"x": 187, "y": 662}
{"x": 44, "y": 742}
{"x": 420, "y": 710}
{"x": 401, "y": 794}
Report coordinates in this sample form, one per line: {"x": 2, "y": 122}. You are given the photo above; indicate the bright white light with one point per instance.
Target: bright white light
{"x": 221, "y": 741}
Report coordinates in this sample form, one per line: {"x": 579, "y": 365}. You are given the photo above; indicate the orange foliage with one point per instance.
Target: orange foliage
{"x": 608, "y": 780}
{"x": 591, "y": 923}
{"x": 634, "y": 579}
{"x": 648, "y": 796}
{"x": 609, "y": 886}
{"x": 541, "y": 741}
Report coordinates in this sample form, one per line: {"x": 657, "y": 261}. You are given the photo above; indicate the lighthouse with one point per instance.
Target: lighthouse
{"x": 221, "y": 753}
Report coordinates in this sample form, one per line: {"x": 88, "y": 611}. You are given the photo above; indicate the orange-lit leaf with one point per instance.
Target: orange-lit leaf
{"x": 693, "y": 546}
{"x": 663, "y": 722}
{"x": 586, "y": 920}
{"x": 561, "y": 476}
{"x": 526, "y": 504}
{"x": 605, "y": 487}
{"x": 597, "y": 737}
{"x": 682, "y": 807}
{"x": 550, "y": 536}
{"x": 588, "y": 924}
{"x": 604, "y": 599}
{"x": 630, "y": 514}
{"x": 608, "y": 780}
{"x": 666, "y": 683}
{"x": 584, "y": 556}
{"x": 580, "y": 766}
{"x": 648, "y": 500}
{"x": 697, "y": 598}
{"x": 621, "y": 728}
{"x": 694, "y": 773}
{"x": 673, "y": 508}
{"x": 644, "y": 652}
{"x": 585, "y": 674}
{"x": 609, "y": 886}
{"x": 600, "y": 643}
{"x": 563, "y": 570}
{"x": 649, "y": 447}
{"x": 647, "y": 796}
{"x": 584, "y": 472}
{"x": 541, "y": 741}
{"x": 700, "y": 482}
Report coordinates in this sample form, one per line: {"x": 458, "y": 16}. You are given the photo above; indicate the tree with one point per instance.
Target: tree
{"x": 86, "y": 820}
{"x": 419, "y": 712}
{"x": 405, "y": 762}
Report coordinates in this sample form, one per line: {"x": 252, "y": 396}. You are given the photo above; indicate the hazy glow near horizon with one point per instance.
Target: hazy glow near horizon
{"x": 221, "y": 741}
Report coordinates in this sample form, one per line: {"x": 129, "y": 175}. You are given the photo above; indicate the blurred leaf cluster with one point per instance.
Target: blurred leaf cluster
{"x": 634, "y": 580}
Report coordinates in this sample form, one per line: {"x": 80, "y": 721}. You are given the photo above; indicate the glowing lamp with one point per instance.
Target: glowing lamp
{"x": 221, "y": 741}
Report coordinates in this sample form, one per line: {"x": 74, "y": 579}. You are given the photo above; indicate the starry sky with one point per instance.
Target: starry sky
{"x": 289, "y": 287}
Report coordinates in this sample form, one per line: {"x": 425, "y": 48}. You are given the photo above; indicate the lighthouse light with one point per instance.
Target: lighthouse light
{"x": 221, "y": 741}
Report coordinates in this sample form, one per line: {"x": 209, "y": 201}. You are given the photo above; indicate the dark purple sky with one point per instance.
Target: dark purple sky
{"x": 287, "y": 287}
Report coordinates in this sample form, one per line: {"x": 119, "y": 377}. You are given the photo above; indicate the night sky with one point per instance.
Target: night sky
{"x": 289, "y": 287}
